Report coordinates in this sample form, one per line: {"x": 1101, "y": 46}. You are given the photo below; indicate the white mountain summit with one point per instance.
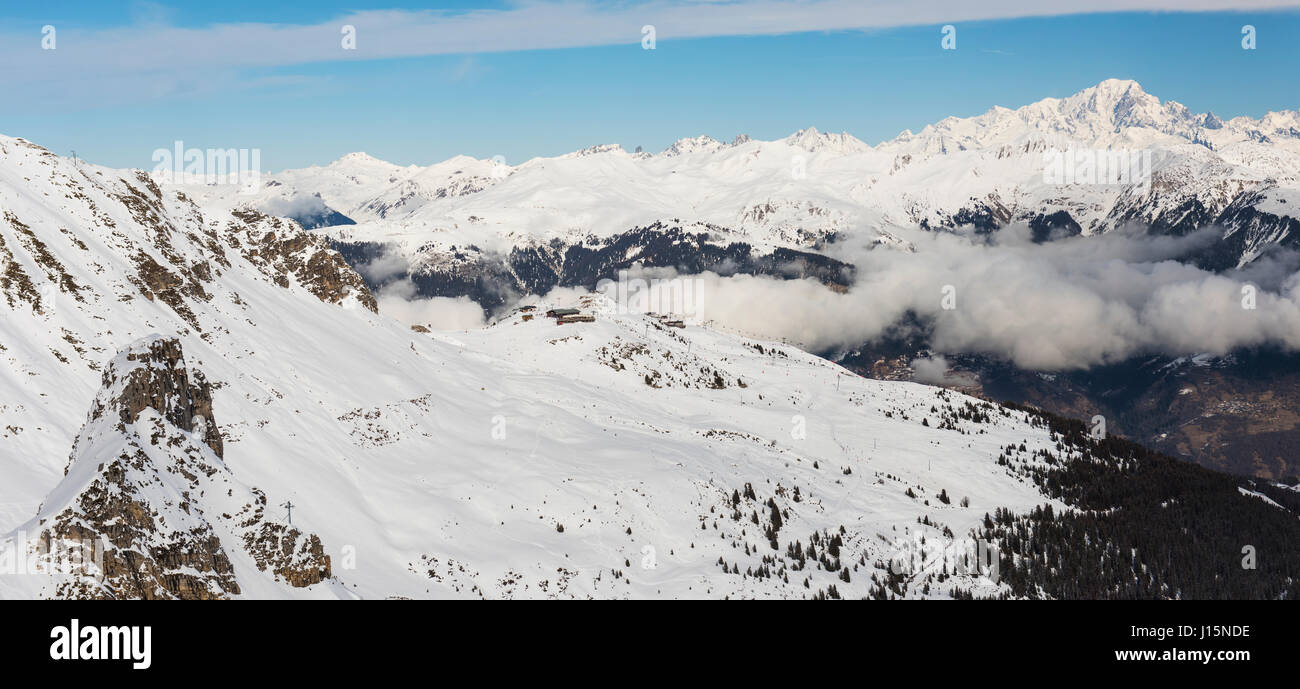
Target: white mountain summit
{"x": 190, "y": 371}
{"x": 981, "y": 172}
{"x": 178, "y": 366}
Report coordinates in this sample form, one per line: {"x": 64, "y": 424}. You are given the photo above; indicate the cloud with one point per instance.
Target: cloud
{"x": 388, "y": 265}
{"x": 561, "y": 297}
{"x": 1069, "y": 304}
{"x": 397, "y": 296}
{"x": 933, "y": 371}
{"x": 158, "y": 59}
{"x": 296, "y": 207}
{"x": 398, "y": 301}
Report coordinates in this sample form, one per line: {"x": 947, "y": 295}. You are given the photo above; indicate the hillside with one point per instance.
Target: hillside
{"x": 197, "y": 370}
{"x": 464, "y": 220}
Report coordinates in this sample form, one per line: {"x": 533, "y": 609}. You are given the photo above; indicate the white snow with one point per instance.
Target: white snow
{"x": 443, "y": 465}
{"x": 791, "y": 191}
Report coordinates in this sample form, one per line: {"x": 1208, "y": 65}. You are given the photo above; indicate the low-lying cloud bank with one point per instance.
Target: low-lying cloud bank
{"x": 1068, "y": 304}
{"x": 296, "y": 207}
{"x": 398, "y": 297}
{"x": 398, "y": 301}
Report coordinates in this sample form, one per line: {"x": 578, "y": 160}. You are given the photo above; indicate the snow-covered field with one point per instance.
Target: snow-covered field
{"x": 620, "y": 457}
{"x": 617, "y": 458}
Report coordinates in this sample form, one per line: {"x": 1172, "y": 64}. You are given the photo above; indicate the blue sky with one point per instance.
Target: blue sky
{"x": 127, "y": 78}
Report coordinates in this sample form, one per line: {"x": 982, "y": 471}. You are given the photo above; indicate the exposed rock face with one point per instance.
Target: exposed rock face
{"x": 295, "y": 557}
{"x": 985, "y": 215}
{"x": 148, "y": 509}
{"x": 307, "y": 257}
{"x": 1046, "y": 227}
{"x": 162, "y": 384}
{"x": 177, "y": 250}
{"x": 15, "y": 285}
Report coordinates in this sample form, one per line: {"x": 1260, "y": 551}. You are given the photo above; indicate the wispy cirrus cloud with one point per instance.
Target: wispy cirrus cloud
{"x": 154, "y": 51}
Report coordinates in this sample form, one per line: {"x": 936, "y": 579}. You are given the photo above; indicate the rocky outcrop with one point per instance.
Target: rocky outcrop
{"x": 297, "y": 558}
{"x": 285, "y": 251}
{"x": 148, "y": 509}
{"x": 1046, "y": 227}
{"x": 162, "y": 383}
{"x": 16, "y": 286}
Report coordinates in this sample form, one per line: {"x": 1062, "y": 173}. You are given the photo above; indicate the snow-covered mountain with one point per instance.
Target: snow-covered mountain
{"x": 147, "y": 504}
{"x": 176, "y": 374}
{"x": 480, "y": 217}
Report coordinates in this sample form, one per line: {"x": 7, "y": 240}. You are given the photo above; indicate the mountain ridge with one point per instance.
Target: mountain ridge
{"x": 1106, "y": 99}
{"x": 978, "y": 174}
{"x": 620, "y": 455}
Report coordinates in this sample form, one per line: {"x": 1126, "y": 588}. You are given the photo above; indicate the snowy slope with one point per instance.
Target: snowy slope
{"x": 618, "y": 458}
{"x": 147, "y": 509}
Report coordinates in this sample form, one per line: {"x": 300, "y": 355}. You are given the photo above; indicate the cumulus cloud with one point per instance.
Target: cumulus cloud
{"x": 398, "y": 297}
{"x": 296, "y": 207}
{"x": 384, "y": 268}
{"x": 1069, "y": 304}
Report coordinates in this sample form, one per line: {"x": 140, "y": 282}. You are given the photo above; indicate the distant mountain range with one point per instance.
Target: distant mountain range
{"x": 204, "y": 403}
{"x": 786, "y": 208}
{"x": 466, "y": 215}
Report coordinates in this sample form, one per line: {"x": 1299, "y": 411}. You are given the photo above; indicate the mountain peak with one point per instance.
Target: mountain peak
{"x": 1110, "y": 93}
{"x": 361, "y": 157}
{"x": 703, "y": 142}
{"x": 814, "y": 141}
{"x": 148, "y": 497}
{"x": 1101, "y": 115}
{"x": 1117, "y": 86}
{"x": 1116, "y": 103}
{"x": 593, "y": 150}
{"x": 152, "y": 374}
